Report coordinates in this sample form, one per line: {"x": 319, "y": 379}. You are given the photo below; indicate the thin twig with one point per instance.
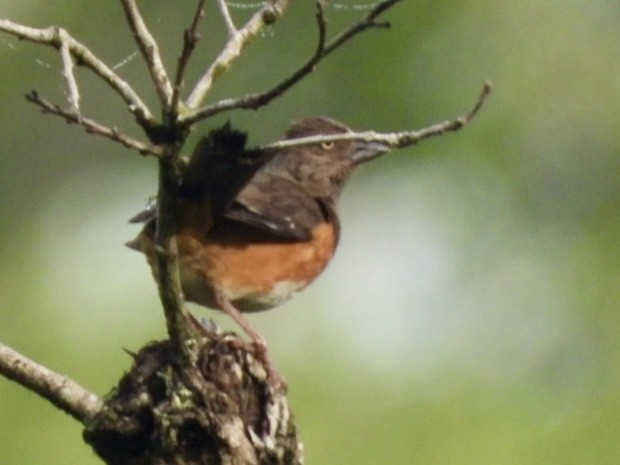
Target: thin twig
{"x": 394, "y": 140}
{"x": 369, "y": 22}
{"x": 255, "y": 101}
{"x": 268, "y": 14}
{"x": 67, "y": 71}
{"x": 93, "y": 127}
{"x": 54, "y": 36}
{"x": 230, "y": 25}
{"x": 190, "y": 39}
{"x": 150, "y": 51}
{"x": 61, "y": 391}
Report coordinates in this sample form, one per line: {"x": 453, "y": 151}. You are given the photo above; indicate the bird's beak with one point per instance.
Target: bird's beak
{"x": 365, "y": 151}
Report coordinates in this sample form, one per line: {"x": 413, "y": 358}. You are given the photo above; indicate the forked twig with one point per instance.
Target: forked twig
{"x": 396, "y": 139}
{"x": 67, "y": 71}
{"x": 230, "y": 25}
{"x": 268, "y": 14}
{"x": 56, "y": 37}
{"x": 93, "y": 127}
{"x": 257, "y": 100}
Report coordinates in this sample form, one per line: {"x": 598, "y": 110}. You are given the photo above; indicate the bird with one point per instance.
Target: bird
{"x": 256, "y": 226}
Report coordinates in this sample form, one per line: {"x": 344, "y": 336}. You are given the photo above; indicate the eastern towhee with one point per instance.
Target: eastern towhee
{"x": 257, "y": 226}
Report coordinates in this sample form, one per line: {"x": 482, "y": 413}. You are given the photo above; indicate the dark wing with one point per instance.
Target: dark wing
{"x": 220, "y": 167}
{"x": 277, "y": 205}
{"x": 227, "y": 176}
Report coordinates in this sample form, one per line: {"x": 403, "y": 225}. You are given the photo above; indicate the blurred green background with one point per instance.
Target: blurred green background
{"x": 471, "y": 314}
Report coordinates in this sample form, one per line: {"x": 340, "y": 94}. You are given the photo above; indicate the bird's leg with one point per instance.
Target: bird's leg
{"x": 258, "y": 340}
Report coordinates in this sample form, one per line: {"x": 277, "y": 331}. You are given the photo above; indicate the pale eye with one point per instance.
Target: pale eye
{"x": 328, "y": 145}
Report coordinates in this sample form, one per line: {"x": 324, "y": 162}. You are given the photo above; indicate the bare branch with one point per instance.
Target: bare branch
{"x": 67, "y": 71}
{"x": 255, "y": 101}
{"x": 190, "y": 39}
{"x": 230, "y": 25}
{"x": 150, "y": 51}
{"x": 268, "y": 14}
{"x": 61, "y": 391}
{"x": 180, "y": 330}
{"x": 93, "y": 127}
{"x": 54, "y": 36}
{"x": 394, "y": 140}
{"x": 168, "y": 278}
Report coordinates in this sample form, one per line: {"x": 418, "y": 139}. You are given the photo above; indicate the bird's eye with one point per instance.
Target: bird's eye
{"x": 328, "y": 145}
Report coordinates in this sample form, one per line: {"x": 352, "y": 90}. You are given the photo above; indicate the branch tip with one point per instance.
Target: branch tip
{"x": 191, "y": 36}
{"x": 150, "y": 51}
{"x": 257, "y": 100}
{"x": 91, "y": 126}
{"x": 55, "y": 37}
{"x": 394, "y": 140}
{"x": 268, "y": 14}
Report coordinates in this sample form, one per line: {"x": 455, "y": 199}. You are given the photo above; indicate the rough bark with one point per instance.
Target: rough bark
{"x": 220, "y": 411}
